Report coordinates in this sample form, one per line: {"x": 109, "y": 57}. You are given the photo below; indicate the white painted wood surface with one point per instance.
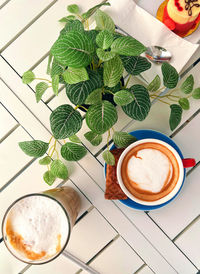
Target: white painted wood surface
{"x": 122, "y": 240}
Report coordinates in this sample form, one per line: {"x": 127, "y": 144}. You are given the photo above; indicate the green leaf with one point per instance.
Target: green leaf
{"x": 101, "y": 117}
{"x": 75, "y": 139}
{"x": 104, "y": 21}
{"x": 75, "y": 75}
{"x": 65, "y": 121}
{"x": 105, "y": 55}
{"x": 94, "y": 138}
{"x": 73, "y": 8}
{"x": 67, "y": 18}
{"x": 55, "y": 84}
{"x": 108, "y": 158}
{"x": 45, "y": 161}
{"x": 135, "y": 64}
{"x": 73, "y": 152}
{"x": 40, "y": 90}
{"x": 78, "y": 93}
{"x": 170, "y": 75}
{"x": 184, "y": 103}
{"x": 123, "y": 97}
{"x": 94, "y": 97}
{"x": 104, "y": 39}
{"x": 56, "y": 68}
{"x": 123, "y": 139}
{"x": 155, "y": 84}
{"x": 92, "y": 34}
{"x": 73, "y": 49}
{"x": 127, "y": 46}
{"x": 188, "y": 84}
{"x": 28, "y": 77}
{"x": 140, "y": 107}
{"x": 72, "y": 25}
{"x": 34, "y": 148}
{"x": 59, "y": 169}
{"x": 49, "y": 177}
{"x": 175, "y": 116}
{"x": 196, "y": 93}
{"x": 112, "y": 71}
{"x": 49, "y": 64}
{"x": 91, "y": 11}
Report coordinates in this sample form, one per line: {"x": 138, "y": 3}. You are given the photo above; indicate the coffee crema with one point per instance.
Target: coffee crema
{"x": 150, "y": 171}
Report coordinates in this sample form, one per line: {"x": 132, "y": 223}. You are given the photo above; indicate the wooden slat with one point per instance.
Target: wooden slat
{"x": 145, "y": 270}
{"x": 117, "y": 258}
{"x": 60, "y": 265}
{"x": 8, "y": 263}
{"x": 89, "y": 236}
{"x": 12, "y": 157}
{"x": 39, "y": 37}
{"x": 184, "y": 208}
{"x": 16, "y": 16}
{"x": 7, "y": 122}
{"x": 189, "y": 243}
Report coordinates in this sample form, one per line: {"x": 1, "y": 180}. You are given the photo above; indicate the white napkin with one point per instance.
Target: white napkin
{"x": 148, "y": 30}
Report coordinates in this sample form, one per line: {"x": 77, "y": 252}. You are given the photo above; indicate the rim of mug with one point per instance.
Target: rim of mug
{"x": 36, "y": 262}
{"x": 163, "y": 199}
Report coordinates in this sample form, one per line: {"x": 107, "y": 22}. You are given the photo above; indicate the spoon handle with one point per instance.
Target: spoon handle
{"x": 79, "y": 262}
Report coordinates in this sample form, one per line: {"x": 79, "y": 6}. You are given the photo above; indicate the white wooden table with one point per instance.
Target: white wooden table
{"x": 110, "y": 237}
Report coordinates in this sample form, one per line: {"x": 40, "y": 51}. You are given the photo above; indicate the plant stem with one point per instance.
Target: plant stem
{"x": 43, "y": 79}
{"x": 76, "y": 107}
{"x": 127, "y": 81}
{"x": 83, "y": 108}
{"x": 163, "y": 101}
{"x": 110, "y": 92}
{"x": 108, "y": 138}
{"x": 54, "y": 148}
{"x": 50, "y": 139}
{"x": 113, "y": 130}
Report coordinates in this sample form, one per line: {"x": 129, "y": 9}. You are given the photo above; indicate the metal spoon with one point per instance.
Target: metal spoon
{"x": 158, "y": 54}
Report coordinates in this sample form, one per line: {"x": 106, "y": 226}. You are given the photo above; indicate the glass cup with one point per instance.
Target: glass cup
{"x": 67, "y": 199}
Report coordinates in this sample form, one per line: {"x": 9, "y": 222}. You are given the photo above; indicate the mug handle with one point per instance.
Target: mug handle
{"x": 188, "y": 162}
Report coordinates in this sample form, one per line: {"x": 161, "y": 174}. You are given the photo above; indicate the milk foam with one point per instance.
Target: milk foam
{"x": 149, "y": 169}
{"x": 39, "y": 220}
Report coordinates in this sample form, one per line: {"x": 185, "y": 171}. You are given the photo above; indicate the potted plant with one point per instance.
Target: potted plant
{"x": 91, "y": 64}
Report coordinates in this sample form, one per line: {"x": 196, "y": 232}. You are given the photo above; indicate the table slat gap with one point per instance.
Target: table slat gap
{"x": 186, "y": 228}
{"x": 9, "y": 132}
{"x": 27, "y": 26}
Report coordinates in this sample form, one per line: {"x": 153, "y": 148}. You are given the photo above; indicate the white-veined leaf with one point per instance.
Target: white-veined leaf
{"x": 59, "y": 169}
{"x": 35, "y": 148}
{"x": 55, "y": 84}
{"x": 75, "y": 75}
{"x": 105, "y": 55}
{"x": 104, "y": 21}
{"x": 94, "y": 138}
{"x": 170, "y": 75}
{"x": 112, "y": 71}
{"x": 155, "y": 84}
{"x": 101, "y": 117}
{"x": 127, "y": 46}
{"x": 139, "y": 108}
{"x": 188, "y": 84}
{"x": 94, "y": 97}
{"x": 108, "y": 158}
{"x": 65, "y": 121}
{"x": 28, "y": 77}
{"x": 104, "y": 39}
{"x": 40, "y": 90}
{"x": 49, "y": 177}
{"x": 175, "y": 116}
{"x": 73, "y": 152}
{"x": 77, "y": 93}
{"x": 196, "y": 93}
{"x": 73, "y": 49}
{"x": 123, "y": 97}
{"x": 184, "y": 103}
{"x": 135, "y": 64}
{"x": 123, "y": 139}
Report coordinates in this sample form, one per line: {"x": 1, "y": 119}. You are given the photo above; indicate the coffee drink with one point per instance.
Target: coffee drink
{"x": 150, "y": 171}
{"x": 37, "y": 227}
